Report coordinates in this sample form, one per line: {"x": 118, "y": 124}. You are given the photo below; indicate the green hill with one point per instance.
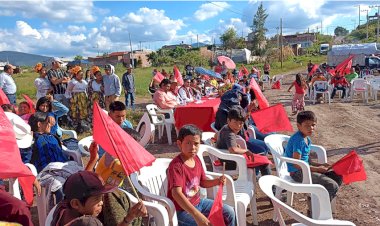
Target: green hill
{"x": 360, "y": 33}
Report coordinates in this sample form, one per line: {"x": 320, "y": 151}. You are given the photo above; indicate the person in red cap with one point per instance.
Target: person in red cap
{"x": 84, "y": 197}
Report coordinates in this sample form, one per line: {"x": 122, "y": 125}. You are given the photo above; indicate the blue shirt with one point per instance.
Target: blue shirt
{"x": 297, "y": 144}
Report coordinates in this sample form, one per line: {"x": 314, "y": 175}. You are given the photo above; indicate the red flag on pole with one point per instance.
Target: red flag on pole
{"x": 263, "y": 102}
{"x": 118, "y": 143}
{"x": 177, "y": 75}
{"x": 351, "y": 168}
{"x": 276, "y": 85}
{"x": 3, "y": 98}
{"x": 313, "y": 69}
{"x": 272, "y": 119}
{"x": 216, "y": 213}
{"x": 158, "y": 77}
{"x": 344, "y": 67}
{"x": 30, "y": 103}
{"x": 11, "y": 165}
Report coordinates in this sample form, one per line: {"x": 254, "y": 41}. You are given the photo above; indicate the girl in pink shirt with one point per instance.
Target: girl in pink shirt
{"x": 298, "y": 102}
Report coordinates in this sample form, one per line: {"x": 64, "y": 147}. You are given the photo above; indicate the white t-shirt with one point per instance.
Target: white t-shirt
{"x": 42, "y": 85}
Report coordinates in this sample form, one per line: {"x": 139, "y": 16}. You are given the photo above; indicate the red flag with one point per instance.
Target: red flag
{"x": 351, "y": 168}
{"x": 3, "y": 98}
{"x": 276, "y": 85}
{"x": 272, "y": 119}
{"x": 11, "y": 165}
{"x": 263, "y": 102}
{"x": 30, "y": 103}
{"x": 158, "y": 77}
{"x": 177, "y": 75}
{"x": 118, "y": 143}
{"x": 216, "y": 213}
{"x": 344, "y": 67}
{"x": 243, "y": 71}
{"x": 313, "y": 69}
{"x": 258, "y": 160}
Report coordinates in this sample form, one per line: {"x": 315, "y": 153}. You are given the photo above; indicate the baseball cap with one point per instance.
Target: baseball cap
{"x": 107, "y": 66}
{"x": 84, "y": 184}
{"x": 7, "y": 66}
{"x": 21, "y": 129}
{"x": 56, "y": 59}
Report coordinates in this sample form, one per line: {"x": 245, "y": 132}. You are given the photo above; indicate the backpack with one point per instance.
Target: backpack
{"x": 113, "y": 174}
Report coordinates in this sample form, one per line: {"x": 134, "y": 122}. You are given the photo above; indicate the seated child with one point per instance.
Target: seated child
{"x": 47, "y": 147}
{"x": 298, "y": 147}
{"x": 84, "y": 192}
{"x": 186, "y": 176}
{"x": 226, "y": 139}
{"x": 24, "y": 111}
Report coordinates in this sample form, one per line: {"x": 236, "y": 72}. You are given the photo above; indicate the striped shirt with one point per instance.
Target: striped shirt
{"x": 58, "y": 73}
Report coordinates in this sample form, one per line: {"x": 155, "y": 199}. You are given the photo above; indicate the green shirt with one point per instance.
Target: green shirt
{"x": 351, "y": 76}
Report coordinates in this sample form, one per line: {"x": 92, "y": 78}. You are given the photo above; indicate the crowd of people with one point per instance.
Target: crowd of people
{"x": 90, "y": 195}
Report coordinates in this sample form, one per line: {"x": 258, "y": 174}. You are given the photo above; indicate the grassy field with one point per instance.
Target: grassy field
{"x": 25, "y": 81}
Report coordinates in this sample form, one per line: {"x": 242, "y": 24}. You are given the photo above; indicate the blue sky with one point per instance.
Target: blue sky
{"x": 69, "y": 28}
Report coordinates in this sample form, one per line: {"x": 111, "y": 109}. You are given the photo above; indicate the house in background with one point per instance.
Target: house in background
{"x": 140, "y": 58}
{"x": 299, "y": 41}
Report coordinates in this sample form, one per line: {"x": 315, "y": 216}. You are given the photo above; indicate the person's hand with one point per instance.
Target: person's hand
{"x": 222, "y": 180}
{"x": 202, "y": 220}
{"x": 138, "y": 210}
{"x": 328, "y": 166}
{"x": 251, "y": 106}
{"x": 50, "y": 97}
{"x": 250, "y": 155}
{"x": 322, "y": 169}
{"x": 94, "y": 151}
{"x": 37, "y": 185}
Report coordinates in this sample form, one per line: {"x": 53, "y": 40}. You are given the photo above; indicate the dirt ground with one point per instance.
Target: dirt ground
{"x": 341, "y": 127}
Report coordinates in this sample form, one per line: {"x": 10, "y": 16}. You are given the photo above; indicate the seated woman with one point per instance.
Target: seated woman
{"x": 163, "y": 98}
{"x": 185, "y": 92}
{"x": 46, "y": 104}
{"x": 47, "y": 147}
{"x": 24, "y": 110}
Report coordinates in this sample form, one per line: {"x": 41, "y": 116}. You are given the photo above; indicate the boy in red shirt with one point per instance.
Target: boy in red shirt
{"x": 185, "y": 177}
{"x": 340, "y": 83}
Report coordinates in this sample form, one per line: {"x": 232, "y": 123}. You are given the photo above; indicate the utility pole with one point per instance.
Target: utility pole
{"x": 366, "y": 10}
{"x": 378, "y": 20}
{"x": 278, "y": 38}
{"x": 281, "y": 57}
{"x": 130, "y": 44}
{"x": 359, "y": 16}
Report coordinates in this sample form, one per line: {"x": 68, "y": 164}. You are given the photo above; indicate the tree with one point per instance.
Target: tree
{"x": 78, "y": 57}
{"x": 340, "y": 31}
{"x": 230, "y": 40}
{"x": 258, "y": 28}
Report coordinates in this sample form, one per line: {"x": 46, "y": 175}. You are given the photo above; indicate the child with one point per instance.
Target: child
{"x": 299, "y": 148}
{"x": 340, "y": 83}
{"x": 185, "y": 176}
{"x": 226, "y": 139}
{"x": 298, "y": 103}
{"x": 24, "y": 111}
{"x": 47, "y": 147}
{"x": 84, "y": 196}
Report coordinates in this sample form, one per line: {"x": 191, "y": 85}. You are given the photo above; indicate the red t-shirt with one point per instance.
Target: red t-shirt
{"x": 181, "y": 175}
{"x": 299, "y": 89}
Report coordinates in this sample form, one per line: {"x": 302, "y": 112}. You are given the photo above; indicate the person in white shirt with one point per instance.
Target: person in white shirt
{"x": 76, "y": 89}
{"x": 42, "y": 83}
{"x": 186, "y": 92}
{"x": 7, "y": 84}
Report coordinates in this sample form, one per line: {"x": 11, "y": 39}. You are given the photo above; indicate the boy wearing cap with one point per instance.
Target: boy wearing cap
{"x": 112, "y": 86}
{"x": 84, "y": 196}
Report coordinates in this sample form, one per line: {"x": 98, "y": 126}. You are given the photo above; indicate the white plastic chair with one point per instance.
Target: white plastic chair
{"x": 359, "y": 85}
{"x": 146, "y": 130}
{"x": 49, "y": 217}
{"x": 322, "y": 202}
{"x": 323, "y": 88}
{"x": 84, "y": 145}
{"x": 368, "y": 77}
{"x": 276, "y": 143}
{"x": 158, "y": 119}
{"x": 251, "y": 131}
{"x": 244, "y": 187}
{"x": 73, "y": 155}
{"x": 375, "y": 87}
{"x": 213, "y": 127}
{"x": 70, "y": 133}
{"x": 14, "y": 187}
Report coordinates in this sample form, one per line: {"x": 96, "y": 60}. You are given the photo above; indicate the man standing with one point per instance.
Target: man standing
{"x": 128, "y": 82}
{"x": 59, "y": 79}
{"x": 7, "y": 84}
{"x": 112, "y": 86}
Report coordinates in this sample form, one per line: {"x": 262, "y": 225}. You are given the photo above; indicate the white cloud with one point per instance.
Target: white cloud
{"x": 76, "y": 11}
{"x": 76, "y": 29}
{"x": 25, "y": 29}
{"x": 209, "y": 10}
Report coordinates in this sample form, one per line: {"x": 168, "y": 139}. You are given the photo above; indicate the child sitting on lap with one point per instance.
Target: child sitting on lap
{"x": 298, "y": 147}
{"x": 186, "y": 176}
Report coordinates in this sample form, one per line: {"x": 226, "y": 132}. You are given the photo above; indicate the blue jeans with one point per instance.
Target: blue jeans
{"x": 204, "y": 206}
{"x": 11, "y": 98}
{"x": 132, "y": 96}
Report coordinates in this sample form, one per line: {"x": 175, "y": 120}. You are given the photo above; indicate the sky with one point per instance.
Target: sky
{"x": 88, "y": 28}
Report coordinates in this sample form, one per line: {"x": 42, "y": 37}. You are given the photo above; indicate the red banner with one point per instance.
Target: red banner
{"x": 272, "y": 119}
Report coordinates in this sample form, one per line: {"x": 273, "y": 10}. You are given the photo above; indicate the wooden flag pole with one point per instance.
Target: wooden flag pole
{"x": 133, "y": 188}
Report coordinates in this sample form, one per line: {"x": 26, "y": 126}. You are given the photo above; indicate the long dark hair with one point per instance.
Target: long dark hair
{"x": 43, "y": 100}
{"x": 299, "y": 79}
